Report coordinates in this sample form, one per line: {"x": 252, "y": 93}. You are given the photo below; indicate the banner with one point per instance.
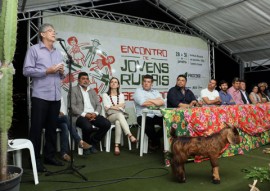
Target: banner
{"x": 104, "y": 49}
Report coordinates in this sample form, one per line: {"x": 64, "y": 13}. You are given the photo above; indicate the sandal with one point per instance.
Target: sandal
{"x": 84, "y": 145}
{"x": 132, "y": 139}
{"x": 116, "y": 150}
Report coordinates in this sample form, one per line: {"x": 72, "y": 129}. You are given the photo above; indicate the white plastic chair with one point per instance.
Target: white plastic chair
{"x": 143, "y": 139}
{"x": 132, "y": 121}
{"x": 16, "y": 146}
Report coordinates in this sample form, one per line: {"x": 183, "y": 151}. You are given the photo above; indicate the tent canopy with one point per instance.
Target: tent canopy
{"x": 241, "y": 27}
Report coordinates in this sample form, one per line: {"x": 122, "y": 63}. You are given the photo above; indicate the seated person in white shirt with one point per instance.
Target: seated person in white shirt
{"x": 244, "y": 94}
{"x": 209, "y": 95}
{"x": 86, "y": 108}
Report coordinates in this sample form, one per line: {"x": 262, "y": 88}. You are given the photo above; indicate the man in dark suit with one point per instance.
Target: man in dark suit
{"x": 86, "y": 109}
{"x": 244, "y": 94}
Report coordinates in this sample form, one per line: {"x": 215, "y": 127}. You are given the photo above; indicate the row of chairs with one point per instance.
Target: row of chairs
{"x": 132, "y": 121}
{"x": 17, "y": 145}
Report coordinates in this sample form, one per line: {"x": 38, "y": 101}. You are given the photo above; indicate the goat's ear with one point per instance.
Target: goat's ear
{"x": 230, "y": 136}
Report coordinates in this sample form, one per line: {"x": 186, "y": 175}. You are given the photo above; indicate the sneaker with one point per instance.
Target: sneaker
{"x": 167, "y": 163}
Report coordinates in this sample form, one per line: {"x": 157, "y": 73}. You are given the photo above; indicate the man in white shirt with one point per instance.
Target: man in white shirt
{"x": 244, "y": 94}
{"x": 209, "y": 95}
{"x": 85, "y": 108}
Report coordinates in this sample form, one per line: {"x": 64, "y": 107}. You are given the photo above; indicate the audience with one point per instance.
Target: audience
{"x": 254, "y": 96}
{"x": 243, "y": 92}
{"x": 209, "y": 95}
{"x": 179, "y": 96}
{"x": 114, "y": 104}
{"x": 145, "y": 97}
{"x": 86, "y": 108}
{"x": 234, "y": 91}
{"x": 226, "y": 99}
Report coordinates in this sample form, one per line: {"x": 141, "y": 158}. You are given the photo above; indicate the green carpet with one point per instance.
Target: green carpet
{"x": 116, "y": 173}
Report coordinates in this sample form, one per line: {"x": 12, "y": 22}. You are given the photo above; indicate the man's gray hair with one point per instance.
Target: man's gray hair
{"x": 43, "y": 28}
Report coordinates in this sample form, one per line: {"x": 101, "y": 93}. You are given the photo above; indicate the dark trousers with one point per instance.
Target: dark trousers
{"x": 93, "y": 135}
{"x": 66, "y": 129}
{"x": 44, "y": 115}
{"x": 150, "y": 130}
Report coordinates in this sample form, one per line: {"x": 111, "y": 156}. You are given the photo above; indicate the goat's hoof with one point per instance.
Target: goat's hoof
{"x": 216, "y": 181}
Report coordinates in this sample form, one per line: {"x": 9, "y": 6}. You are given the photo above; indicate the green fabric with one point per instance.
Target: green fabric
{"x": 104, "y": 165}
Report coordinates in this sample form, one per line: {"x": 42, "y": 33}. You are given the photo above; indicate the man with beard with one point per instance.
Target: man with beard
{"x": 179, "y": 96}
{"x": 226, "y": 99}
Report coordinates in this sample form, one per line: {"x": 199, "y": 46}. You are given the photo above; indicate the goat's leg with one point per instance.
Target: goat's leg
{"x": 178, "y": 168}
{"x": 182, "y": 177}
{"x": 183, "y": 159}
{"x": 215, "y": 170}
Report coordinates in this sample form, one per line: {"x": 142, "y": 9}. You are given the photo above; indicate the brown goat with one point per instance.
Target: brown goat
{"x": 211, "y": 146}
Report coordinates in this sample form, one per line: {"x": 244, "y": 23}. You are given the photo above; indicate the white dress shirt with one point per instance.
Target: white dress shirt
{"x": 88, "y": 108}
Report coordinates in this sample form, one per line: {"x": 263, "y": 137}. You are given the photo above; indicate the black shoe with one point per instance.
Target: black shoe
{"x": 93, "y": 150}
{"x": 86, "y": 152}
{"x": 40, "y": 167}
{"x": 53, "y": 161}
{"x": 154, "y": 146}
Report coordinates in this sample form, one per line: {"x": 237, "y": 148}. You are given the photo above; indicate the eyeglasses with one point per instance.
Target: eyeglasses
{"x": 50, "y": 31}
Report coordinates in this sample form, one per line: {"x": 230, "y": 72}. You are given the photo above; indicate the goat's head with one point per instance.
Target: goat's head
{"x": 232, "y": 134}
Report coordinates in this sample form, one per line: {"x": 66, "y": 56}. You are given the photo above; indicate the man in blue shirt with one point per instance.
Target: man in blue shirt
{"x": 180, "y": 96}
{"x": 145, "y": 97}
{"x": 44, "y": 64}
{"x": 226, "y": 98}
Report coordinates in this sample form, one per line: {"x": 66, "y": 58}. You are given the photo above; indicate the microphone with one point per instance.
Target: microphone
{"x": 59, "y": 39}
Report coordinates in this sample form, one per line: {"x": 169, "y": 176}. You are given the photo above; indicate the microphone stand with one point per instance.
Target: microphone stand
{"x": 71, "y": 168}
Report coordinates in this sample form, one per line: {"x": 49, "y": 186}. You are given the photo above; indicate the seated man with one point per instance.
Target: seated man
{"x": 209, "y": 95}
{"x": 244, "y": 94}
{"x": 85, "y": 108}
{"x": 180, "y": 96}
{"x": 145, "y": 97}
{"x": 226, "y": 99}
{"x": 234, "y": 91}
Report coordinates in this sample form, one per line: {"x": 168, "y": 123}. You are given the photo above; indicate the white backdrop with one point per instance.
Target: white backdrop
{"x": 104, "y": 49}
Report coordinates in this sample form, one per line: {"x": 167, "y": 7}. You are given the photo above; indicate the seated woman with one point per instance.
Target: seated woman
{"x": 254, "y": 96}
{"x": 113, "y": 100}
{"x": 262, "y": 93}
